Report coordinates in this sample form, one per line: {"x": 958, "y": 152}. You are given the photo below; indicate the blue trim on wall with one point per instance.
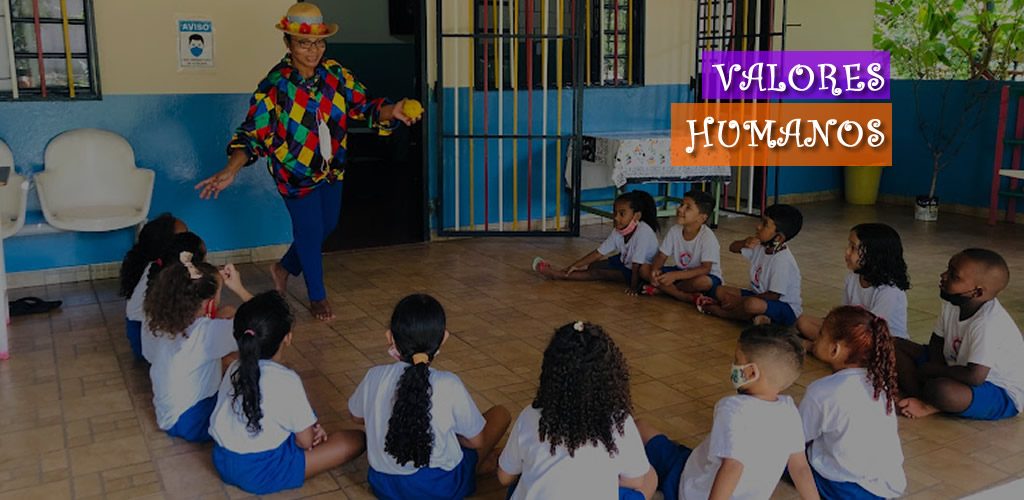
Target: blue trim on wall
{"x": 182, "y": 138}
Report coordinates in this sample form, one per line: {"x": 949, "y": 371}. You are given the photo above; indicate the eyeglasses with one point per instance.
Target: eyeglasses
{"x": 310, "y": 44}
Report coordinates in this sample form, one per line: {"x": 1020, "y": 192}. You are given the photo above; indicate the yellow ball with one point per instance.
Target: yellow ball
{"x": 412, "y": 108}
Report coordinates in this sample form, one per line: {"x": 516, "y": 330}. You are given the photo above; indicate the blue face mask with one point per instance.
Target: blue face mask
{"x": 196, "y": 51}
{"x": 739, "y": 379}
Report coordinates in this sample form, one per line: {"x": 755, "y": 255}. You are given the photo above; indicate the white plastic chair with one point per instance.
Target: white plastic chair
{"x": 13, "y": 196}
{"x": 90, "y": 182}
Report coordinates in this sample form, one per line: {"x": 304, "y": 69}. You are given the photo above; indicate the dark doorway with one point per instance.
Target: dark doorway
{"x": 383, "y": 200}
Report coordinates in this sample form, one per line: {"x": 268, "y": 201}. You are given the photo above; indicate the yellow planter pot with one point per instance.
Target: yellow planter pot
{"x": 862, "y": 184}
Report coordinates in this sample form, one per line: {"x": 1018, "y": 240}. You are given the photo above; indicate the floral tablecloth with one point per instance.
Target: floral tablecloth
{"x": 613, "y": 159}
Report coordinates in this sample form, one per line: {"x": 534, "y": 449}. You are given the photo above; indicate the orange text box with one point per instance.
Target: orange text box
{"x": 782, "y": 134}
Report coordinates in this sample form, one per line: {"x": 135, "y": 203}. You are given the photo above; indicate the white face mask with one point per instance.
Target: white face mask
{"x": 739, "y": 379}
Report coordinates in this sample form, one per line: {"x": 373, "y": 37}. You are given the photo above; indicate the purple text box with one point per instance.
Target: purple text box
{"x": 795, "y": 75}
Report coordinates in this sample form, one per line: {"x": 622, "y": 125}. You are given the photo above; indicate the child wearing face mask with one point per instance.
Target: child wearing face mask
{"x": 627, "y": 252}
{"x": 973, "y": 365}
{"x": 756, "y": 434}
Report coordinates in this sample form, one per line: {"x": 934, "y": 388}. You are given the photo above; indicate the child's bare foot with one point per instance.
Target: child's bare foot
{"x": 488, "y": 465}
{"x": 280, "y": 276}
{"x": 706, "y": 304}
{"x": 761, "y": 319}
{"x": 915, "y": 408}
{"x": 321, "y": 310}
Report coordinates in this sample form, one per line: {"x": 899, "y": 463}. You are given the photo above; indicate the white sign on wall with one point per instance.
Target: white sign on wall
{"x": 195, "y": 43}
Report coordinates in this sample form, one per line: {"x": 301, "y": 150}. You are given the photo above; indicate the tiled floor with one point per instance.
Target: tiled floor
{"x": 76, "y": 416}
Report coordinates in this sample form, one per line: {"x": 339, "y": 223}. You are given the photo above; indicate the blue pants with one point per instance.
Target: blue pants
{"x": 778, "y": 311}
{"x": 988, "y": 401}
{"x": 314, "y": 217}
{"x": 838, "y": 490}
{"x": 668, "y": 459}
{"x": 428, "y": 483}
{"x": 194, "y": 424}
{"x": 261, "y": 473}
{"x": 133, "y": 330}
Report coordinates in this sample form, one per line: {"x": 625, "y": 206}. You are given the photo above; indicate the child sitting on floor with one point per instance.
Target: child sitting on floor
{"x": 154, "y": 238}
{"x": 578, "y": 439}
{"x": 849, "y": 418}
{"x": 973, "y": 366}
{"x": 877, "y": 279}
{"x": 755, "y": 434}
{"x": 181, "y": 310}
{"x": 633, "y": 240}
{"x": 267, "y": 436}
{"x": 774, "y": 296}
{"x": 693, "y": 249}
{"x": 181, "y": 242}
{"x": 425, "y": 437}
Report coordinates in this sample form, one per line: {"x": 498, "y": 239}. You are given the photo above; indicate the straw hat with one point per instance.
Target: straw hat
{"x": 305, "y": 20}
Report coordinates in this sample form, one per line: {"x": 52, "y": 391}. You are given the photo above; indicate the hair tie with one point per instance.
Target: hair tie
{"x": 420, "y": 357}
{"x": 250, "y": 332}
{"x": 578, "y": 326}
{"x": 159, "y": 262}
{"x": 186, "y": 260}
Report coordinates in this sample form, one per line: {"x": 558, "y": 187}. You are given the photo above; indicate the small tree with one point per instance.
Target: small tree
{"x": 950, "y": 40}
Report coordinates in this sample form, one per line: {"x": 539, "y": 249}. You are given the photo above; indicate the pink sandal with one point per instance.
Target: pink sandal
{"x": 703, "y": 301}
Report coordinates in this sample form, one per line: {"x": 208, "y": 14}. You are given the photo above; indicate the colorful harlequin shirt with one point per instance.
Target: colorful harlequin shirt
{"x": 284, "y": 115}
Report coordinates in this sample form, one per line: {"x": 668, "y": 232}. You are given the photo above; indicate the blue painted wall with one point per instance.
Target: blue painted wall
{"x": 182, "y": 138}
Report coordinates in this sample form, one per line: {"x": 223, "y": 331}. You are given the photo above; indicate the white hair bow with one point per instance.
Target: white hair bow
{"x": 186, "y": 260}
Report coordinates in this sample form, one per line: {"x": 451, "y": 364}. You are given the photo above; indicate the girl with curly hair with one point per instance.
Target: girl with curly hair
{"x": 578, "y": 439}
{"x": 425, "y": 437}
{"x": 188, "y": 343}
{"x": 266, "y": 433}
{"x": 181, "y": 242}
{"x": 877, "y": 279}
{"x": 154, "y": 238}
{"x": 848, "y": 417}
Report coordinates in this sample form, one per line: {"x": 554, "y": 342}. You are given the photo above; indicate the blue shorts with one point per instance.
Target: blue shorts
{"x": 133, "y": 330}
{"x": 428, "y": 483}
{"x": 194, "y": 424}
{"x": 715, "y": 280}
{"x": 838, "y": 490}
{"x": 778, "y": 311}
{"x": 668, "y": 459}
{"x": 263, "y": 472}
{"x": 988, "y": 401}
{"x": 615, "y": 262}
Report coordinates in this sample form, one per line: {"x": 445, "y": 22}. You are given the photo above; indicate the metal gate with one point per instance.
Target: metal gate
{"x": 509, "y": 116}
{"x": 741, "y": 25}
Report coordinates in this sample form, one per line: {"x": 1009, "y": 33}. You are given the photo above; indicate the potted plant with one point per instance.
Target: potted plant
{"x": 949, "y": 41}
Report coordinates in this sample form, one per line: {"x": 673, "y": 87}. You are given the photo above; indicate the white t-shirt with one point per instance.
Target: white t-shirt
{"x": 452, "y": 413}
{"x": 640, "y": 248}
{"x": 886, "y": 301}
{"x": 854, "y": 440}
{"x": 590, "y": 474}
{"x": 133, "y": 307}
{"x": 186, "y": 369}
{"x": 777, "y": 273}
{"x": 989, "y": 338}
{"x": 283, "y": 401}
{"x": 759, "y": 434}
{"x": 690, "y": 254}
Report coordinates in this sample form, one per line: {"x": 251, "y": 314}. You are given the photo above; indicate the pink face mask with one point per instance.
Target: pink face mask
{"x": 628, "y": 230}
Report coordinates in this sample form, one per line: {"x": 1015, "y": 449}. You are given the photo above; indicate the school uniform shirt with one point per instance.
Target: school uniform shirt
{"x": 760, "y": 434}
{"x": 148, "y": 342}
{"x": 283, "y": 401}
{"x": 640, "y": 249}
{"x": 777, "y": 273}
{"x": 133, "y": 307}
{"x": 186, "y": 369}
{"x": 854, "y": 440}
{"x": 592, "y": 473}
{"x": 453, "y": 413}
{"x": 989, "y": 338}
{"x": 885, "y": 301}
{"x": 690, "y": 254}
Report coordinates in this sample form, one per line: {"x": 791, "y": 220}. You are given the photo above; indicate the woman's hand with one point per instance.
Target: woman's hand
{"x": 398, "y": 113}
{"x": 213, "y": 185}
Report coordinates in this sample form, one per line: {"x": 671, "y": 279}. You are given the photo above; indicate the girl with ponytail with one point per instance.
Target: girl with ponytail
{"x": 266, "y": 433}
{"x": 425, "y": 436}
{"x": 849, "y": 417}
{"x": 186, "y": 342}
{"x": 154, "y": 238}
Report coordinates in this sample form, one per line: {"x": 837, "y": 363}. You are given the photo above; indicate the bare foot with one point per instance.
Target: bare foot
{"x": 489, "y": 464}
{"x": 280, "y": 277}
{"x": 321, "y": 310}
{"x": 915, "y": 408}
{"x": 761, "y": 319}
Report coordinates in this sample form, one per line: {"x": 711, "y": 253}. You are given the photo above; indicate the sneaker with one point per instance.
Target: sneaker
{"x": 540, "y": 265}
{"x": 703, "y": 301}
{"x": 649, "y": 290}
